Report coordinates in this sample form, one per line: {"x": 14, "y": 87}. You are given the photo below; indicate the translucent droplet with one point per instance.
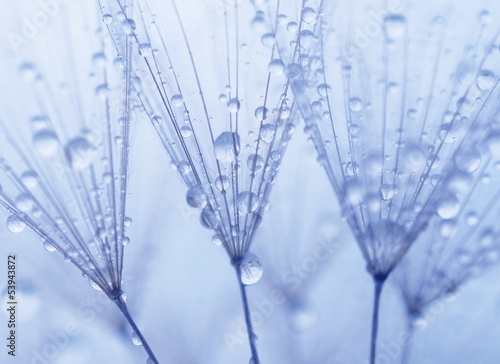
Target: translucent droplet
{"x": 30, "y": 179}
{"x": 493, "y": 142}
{"x": 467, "y": 159}
{"x": 449, "y": 207}
{"x": 308, "y": 15}
{"x": 222, "y": 183}
{"x": 355, "y": 104}
{"x": 292, "y": 27}
{"x": 394, "y": 27}
{"x": 80, "y": 153}
{"x": 247, "y": 202}
{"x": 261, "y": 113}
{"x": 227, "y": 147}
{"x": 216, "y": 240}
{"x": 46, "y": 143}
{"x": 145, "y": 50}
{"x": 471, "y": 218}
{"x": 387, "y": 192}
{"x": 49, "y": 247}
{"x": 276, "y": 67}
{"x": 353, "y": 192}
{"x": 94, "y": 285}
{"x": 107, "y": 19}
{"x": 24, "y": 202}
{"x": 250, "y": 269}
{"x": 447, "y": 228}
{"x": 255, "y": 162}
{"x": 15, "y": 224}
{"x": 136, "y": 340}
{"x": 196, "y": 197}
{"x": 233, "y": 105}
{"x": 127, "y": 221}
{"x": 486, "y": 80}
{"x": 208, "y": 219}
{"x": 186, "y": 131}
{"x": 268, "y": 39}
{"x": 177, "y": 101}
{"x": 128, "y": 26}
{"x": 267, "y": 132}
{"x": 293, "y": 70}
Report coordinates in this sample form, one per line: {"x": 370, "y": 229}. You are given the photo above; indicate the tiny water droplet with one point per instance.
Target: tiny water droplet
{"x": 250, "y": 269}
{"x": 136, "y": 340}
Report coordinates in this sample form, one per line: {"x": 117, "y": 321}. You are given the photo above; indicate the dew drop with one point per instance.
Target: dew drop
{"x": 276, "y": 67}
{"x": 493, "y": 142}
{"x": 486, "y": 80}
{"x": 208, "y": 219}
{"x": 127, "y": 221}
{"x": 227, "y": 147}
{"x": 46, "y": 143}
{"x": 233, "y": 105}
{"x": 80, "y": 153}
{"x": 186, "y": 131}
{"x": 250, "y": 269}
{"x": 196, "y": 197}
{"x": 128, "y": 26}
{"x": 261, "y": 113}
{"x": 107, "y": 19}
{"x": 394, "y": 27}
{"x": 136, "y": 340}
{"x": 222, "y": 183}
{"x": 255, "y": 162}
{"x": 177, "y": 101}
{"x": 308, "y": 15}
{"x": 15, "y": 224}
{"x": 467, "y": 159}
{"x": 247, "y": 202}
{"x": 24, "y": 202}
{"x": 355, "y": 104}
{"x": 267, "y": 132}
{"x": 293, "y": 70}
{"x": 216, "y": 240}
{"x": 49, "y": 247}
{"x": 94, "y": 285}
{"x": 448, "y": 208}
{"x": 30, "y": 179}
{"x": 387, "y": 192}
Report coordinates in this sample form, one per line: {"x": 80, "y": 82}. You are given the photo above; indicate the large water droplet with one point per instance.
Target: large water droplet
{"x": 79, "y": 153}
{"x": 394, "y": 27}
{"x": 208, "y": 219}
{"x": 30, "y": 179}
{"x": 233, "y": 105}
{"x": 355, "y": 104}
{"x": 267, "y": 132}
{"x": 308, "y": 15}
{"x": 486, "y": 80}
{"x": 196, "y": 197}
{"x": 45, "y": 142}
{"x": 247, "y": 202}
{"x": 136, "y": 340}
{"x": 15, "y": 224}
{"x": 255, "y": 162}
{"x": 250, "y": 269}
{"x": 449, "y": 207}
{"x": 467, "y": 159}
{"x": 227, "y": 147}
{"x": 276, "y": 66}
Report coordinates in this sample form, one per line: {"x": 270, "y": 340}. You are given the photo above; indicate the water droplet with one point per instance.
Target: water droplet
{"x": 177, "y": 101}
{"x": 308, "y": 15}
{"x": 24, "y": 202}
{"x": 267, "y": 132}
{"x": 255, "y": 162}
{"x": 394, "y": 27}
{"x": 276, "y": 67}
{"x": 467, "y": 159}
{"x": 128, "y": 26}
{"x": 355, "y": 104}
{"x": 471, "y": 218}
{"x": 15, "y": 224}
{"x": 268, "y": 39}
{"x": 447, "y": 228}
{"x": 292, "y": 27}
{"x": 307, "y": 39}
{"x": 222, "y": 183}
{"x": 186, "y": 131}
{"x": 353, "y": 192}
{"x": 216, "y": 240}
{"x": 46, "y": 143}
{"x": 49, "y": 247}
{"x": 145, "y": 50}
{"x": 261, "y": 113}
{"x": 233, "y": 105}
{"x": 196, "y": 197}
{"x": 486, "y": 80}
{"x": 247, "y": 202}
{"x": 94, "y": 285}
{"x": 208, "y": 219}
{"x": 107, "y": 19}
{"x": 493, "y": 142}
{"x": 387, "y": 192}
{"x": 30, "y": 179}
{"x": 136, "y": 340}
{"x": 79, "y": 153}
{"x": 293, "y": 70}
{"x": 125, "y": 240}
{"x": 250, "y": 269}
{"x": 449, "y": 207}
{"x": 227, "y": 147}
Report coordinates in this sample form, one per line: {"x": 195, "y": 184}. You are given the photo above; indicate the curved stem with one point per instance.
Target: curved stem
{"x": 123, "y": 308}
{"x": 248, "y": 319}
{"x": 379, "y": 283}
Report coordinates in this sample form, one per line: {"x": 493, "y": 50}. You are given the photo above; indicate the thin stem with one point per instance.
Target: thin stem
{"x": 379, "y": 283}
{"x": 123, "y": 308}
{"x": 248, "y": 319}
{"x": 410, "y": 329}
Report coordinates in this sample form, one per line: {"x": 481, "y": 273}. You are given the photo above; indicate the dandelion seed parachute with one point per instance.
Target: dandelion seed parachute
{"x": 388, "y": 96}
{"x": 64, "y": 164}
